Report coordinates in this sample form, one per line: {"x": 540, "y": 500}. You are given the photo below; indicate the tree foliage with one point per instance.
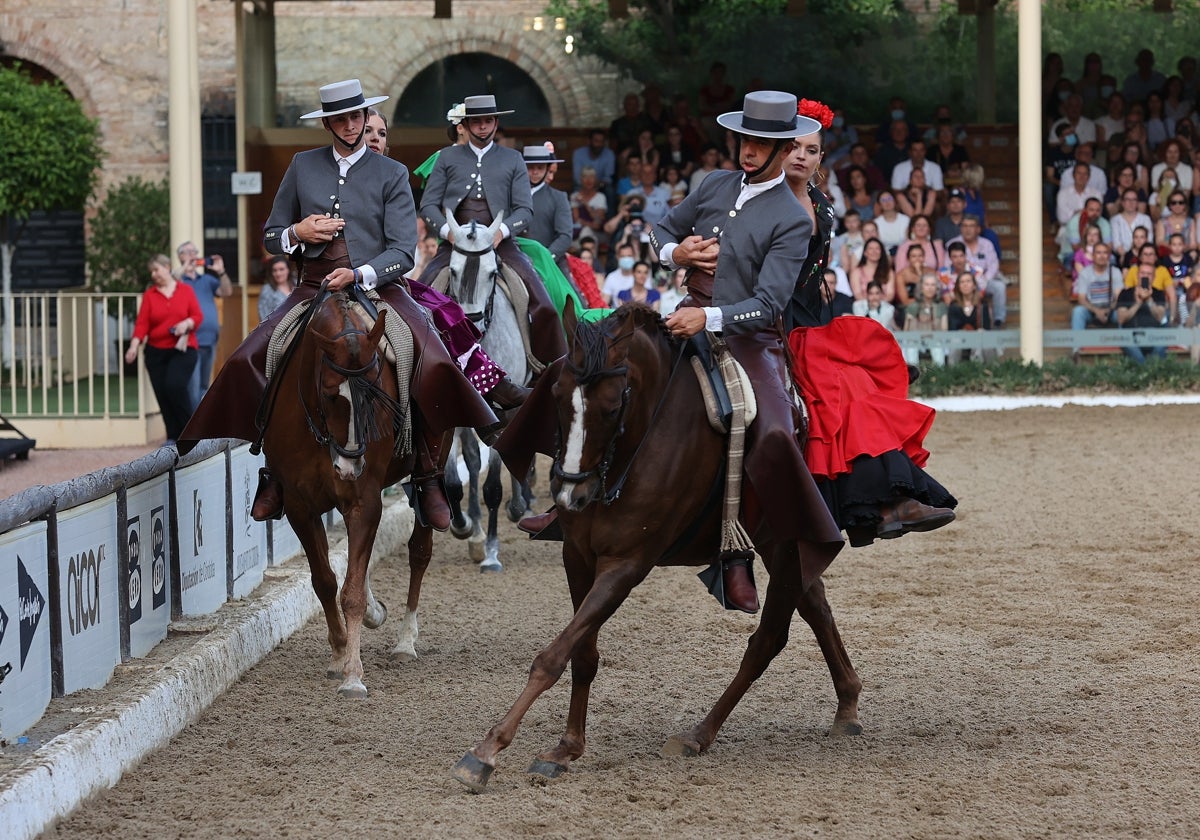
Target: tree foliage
{"x": 51, "y": 149}
{"x": 130, "y": 227}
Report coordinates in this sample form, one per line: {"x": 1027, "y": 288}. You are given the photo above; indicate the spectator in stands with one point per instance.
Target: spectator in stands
{"x": 621, "y": 279}
{"x": 947, "y": 227}
{"x": 640, "y": 291}
{"x": 1160, "y": 278}
{"x": 1060, "y": 160}
{"x": 1158, "y": 125}
{"x": 846, "y": 247}
{"x": 1124, "y": 180}
{"x": 623, "y": 131}
{"x": 897, "y": 112}
{"x": 1144, "y": 80}
{"x": 1186, "y": 67}
{"x": 655, "y": 199}
{"x": 716, "y": 97}
{"x": 981, "y": 253}
{"x": 589, "y": 206}
{"x": 1097, "y": 180}
{"x": 1095, "y": 288}
{"x": 166, "y": 324}
{"x": 858, "y": 194}
{"x": 633, "y": 174}
{"x": 674, "y": 184}
{"x": 956, "y": 264}
{"x": 839, "y": 138}
{"x": 1176, "y": 105}
{"x": 827, "y": 184}
{"x": 710, "y": 158}
{"x": 920, "y": 232}
{"x": 1178, "y": 263}
{"x": 1166, "y": 184}
{"x": 209, "y": 280}
{"x": 972, "y": 190}
{"x": 1141, "y": 236}
{"x": 1124, "y": 223}
{"x": 426, "y": 250}
{"x": 1176, "y": 220}
{"x": 892, "y": 224}
{"x": 858, "y": 157}
{"x": 646, "y": 149}
{"x": 1112, "y": 122}
{"x": 279, "y": 285}
{"x": 1088, "y": 85}
{"x": 875, "y": 307}
{"x": 943, "y": 116}
{"x": 677, "y": 153}
{"x": 628, "y": 210}
{"x": 1052, "y": 74}
{"x": 948, "y": 154}
{"x": 894, "y": 150}
{"x": 1143, "y": 304}
{"x": 908, "y": 277}
{"x": 927, "y": 313}
{"x": 1073, "y": 195}
{"x": 1173, "y": 158}
{"x": 693, "y": 133}
{"x": 655, "y": 113}
{"x": 671, "y": 291}
{"x": 1131, "y": 153}
{"x": 1081, "y": 128}
{"x": 873, "y": 266}
{"x": 840, "y": 303}
{"x": 1071, "y": 235}
{"x": 916, "y": 159}
{"x": 1082, "y": 258}
{"x": 917, "y": 197}
{"x": 598, "y": 157}
{"x": 967, "y": 310}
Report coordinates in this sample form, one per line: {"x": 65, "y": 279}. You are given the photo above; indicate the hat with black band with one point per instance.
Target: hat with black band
{"x": 482, "y": 106}
{"x": 770, "y": 114}
{"x": 539, "y": 154}
{"x": 341, "y": 98}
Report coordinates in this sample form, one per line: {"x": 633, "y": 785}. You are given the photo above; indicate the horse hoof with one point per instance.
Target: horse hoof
{"x": 369, "y": 620}
{"x": 515, "y": 515}
{"x": 472, "y": 772}
{"x": 491, "y": 566}
{"x": 549, "y": 769}
{"x": 403, "y": 655}
{"x": 353, "y": 690}
{"x": 461, "y": 532}
{"x": 333, "y": 673}
{"x": 678, "y": 745}
{"x": 475, "y": 551}
{"x": 845, "y": 727}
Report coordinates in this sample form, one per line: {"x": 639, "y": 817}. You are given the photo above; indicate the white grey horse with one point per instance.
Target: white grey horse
{"x": 474, "y": 272}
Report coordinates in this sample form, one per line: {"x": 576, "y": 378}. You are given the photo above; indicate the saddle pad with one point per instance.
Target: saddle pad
{"x": 713, "y": 387}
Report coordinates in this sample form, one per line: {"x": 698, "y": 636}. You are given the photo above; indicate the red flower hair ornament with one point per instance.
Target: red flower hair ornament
{"x": 819, "y": 111}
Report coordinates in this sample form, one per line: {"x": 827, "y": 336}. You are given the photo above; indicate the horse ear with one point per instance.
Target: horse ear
{"x": 452, "y": 222}
{"x": 570, "y": 321}
{"x": 495, "y": 225}
{"x": 376, "y": 331}
{"x": 327, "y": 344}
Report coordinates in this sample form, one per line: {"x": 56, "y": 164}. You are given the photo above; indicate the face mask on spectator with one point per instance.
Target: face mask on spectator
{"x": 625, "y": 263}
{"x": 1063, "y": 94}
{"x": 1106, "y": 91}
{"x": 898, "y": 114}
{"x": 838, "y": 122}
{"x": 1070, "y": 140}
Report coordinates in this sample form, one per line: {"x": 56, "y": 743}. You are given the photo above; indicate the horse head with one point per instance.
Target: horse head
{"x": 615, "y": 370}
{"x": 473, "y": 266}
{"x": 348, "y": 375}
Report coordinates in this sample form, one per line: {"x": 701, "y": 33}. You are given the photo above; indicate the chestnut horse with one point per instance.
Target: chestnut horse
{"x": 633, "y": 432}
{"x": 330, "y": 441}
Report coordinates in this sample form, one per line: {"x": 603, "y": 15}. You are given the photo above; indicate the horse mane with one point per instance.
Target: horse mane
{"x": 592, "y": 339}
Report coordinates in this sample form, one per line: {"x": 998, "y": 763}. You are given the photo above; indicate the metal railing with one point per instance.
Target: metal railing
{"x": 65, "y": 357}
{"x": 1002, "y": 340}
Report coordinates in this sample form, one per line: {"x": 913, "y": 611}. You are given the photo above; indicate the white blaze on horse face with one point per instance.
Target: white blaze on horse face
{"x": 573, "y": 457}
{"x": 348, "y": 469}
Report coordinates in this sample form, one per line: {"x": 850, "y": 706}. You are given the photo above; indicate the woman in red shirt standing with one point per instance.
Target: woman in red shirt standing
{"x": 166, "y": 324}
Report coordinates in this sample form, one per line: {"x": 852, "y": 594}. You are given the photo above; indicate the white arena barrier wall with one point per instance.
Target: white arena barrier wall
{"x": 93, "y": 570}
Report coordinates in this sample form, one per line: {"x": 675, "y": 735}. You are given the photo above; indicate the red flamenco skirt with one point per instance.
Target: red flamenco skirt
{"x": 855, "y": 383}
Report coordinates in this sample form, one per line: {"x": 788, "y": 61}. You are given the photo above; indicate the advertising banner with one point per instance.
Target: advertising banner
{"x": 249, "y": 537}
{"x": 24, "y": 629}
{"x": 88, "y": 570}
{"x": 149, "y": 562}
{"x": 200, "y": 494}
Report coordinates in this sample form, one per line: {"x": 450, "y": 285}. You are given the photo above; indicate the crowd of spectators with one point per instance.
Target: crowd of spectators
{"x": 906, "y": 194}
{"x": 1122, "y": 189}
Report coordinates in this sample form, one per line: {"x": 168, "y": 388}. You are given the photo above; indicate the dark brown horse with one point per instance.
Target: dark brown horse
{"x": 330, "y": 441}
{"x": 632, "y": 433}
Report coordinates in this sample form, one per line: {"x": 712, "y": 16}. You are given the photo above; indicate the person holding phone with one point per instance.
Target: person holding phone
{"x": 208, "y": 279}
{"x": 1145, "y": 301}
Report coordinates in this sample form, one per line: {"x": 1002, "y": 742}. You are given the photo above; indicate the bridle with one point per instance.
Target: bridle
{"x": 604, "y": 466}
{"x": 483, "y": 318}
{"x": 363, "y": 394}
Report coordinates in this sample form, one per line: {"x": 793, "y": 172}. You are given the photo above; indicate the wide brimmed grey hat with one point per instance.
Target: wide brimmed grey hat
{"x": 482, "y": 106}
{"x": 770, "y": 114}
{"x": 539, "y": 154}
{"x": 341, "y": 97}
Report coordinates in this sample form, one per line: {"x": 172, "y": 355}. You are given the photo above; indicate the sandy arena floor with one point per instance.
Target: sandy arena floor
{"x": 1030, "y": 671}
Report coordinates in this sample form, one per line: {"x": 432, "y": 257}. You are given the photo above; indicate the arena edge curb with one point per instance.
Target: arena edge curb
{"x": 94, "y": 755}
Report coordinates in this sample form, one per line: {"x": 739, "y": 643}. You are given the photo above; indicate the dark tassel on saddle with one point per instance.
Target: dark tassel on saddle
{"x": 367, "y": 396}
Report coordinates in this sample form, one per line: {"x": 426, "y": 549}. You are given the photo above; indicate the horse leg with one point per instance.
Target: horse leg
{"x": 362, "y": 523}
{"x": 768, "y": 640}
{"x": 420, "y": 550}
{"x": 584, "y": 664}
{"x": 608, "y": 591}
{"x": 493, "y": 495}
{"x": 517, "y": 505}
{"x": 376, "y": 613}
{"x": 814, "y": 609}
{"x": 310, "y": 531}
{"x": 470, "y": 448}
{"x": 460, "y": 525}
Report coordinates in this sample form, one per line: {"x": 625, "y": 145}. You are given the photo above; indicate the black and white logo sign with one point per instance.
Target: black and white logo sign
{"x": 158, "y": 557}
{"x": 135, "y": 570}
{"x": 83, "y": 590}
{"x": 30, "y": 605}
{"x": 198, "y": 527}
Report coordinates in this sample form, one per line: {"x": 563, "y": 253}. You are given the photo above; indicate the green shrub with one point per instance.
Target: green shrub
{"x": 1062, "y": 376}
{"x": 130, "y": 226}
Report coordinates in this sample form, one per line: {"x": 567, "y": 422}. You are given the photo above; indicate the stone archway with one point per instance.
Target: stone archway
{"x": 539, "y": 58}
{"x": 455, "y": 77}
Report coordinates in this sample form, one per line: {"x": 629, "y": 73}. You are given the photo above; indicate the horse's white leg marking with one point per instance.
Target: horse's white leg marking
{"x": 406, "y": 646}
{"x": 573, "y": 457}
{"x": 347, "y": 469}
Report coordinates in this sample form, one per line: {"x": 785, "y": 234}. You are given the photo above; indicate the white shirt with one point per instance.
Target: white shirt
{"x": 902, "y": 174}
{"x": 714, "y": 321}
{"x": 1084, "y": 130}
{"x": 368, "y": 276}
{"x": 616, "y": 282}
